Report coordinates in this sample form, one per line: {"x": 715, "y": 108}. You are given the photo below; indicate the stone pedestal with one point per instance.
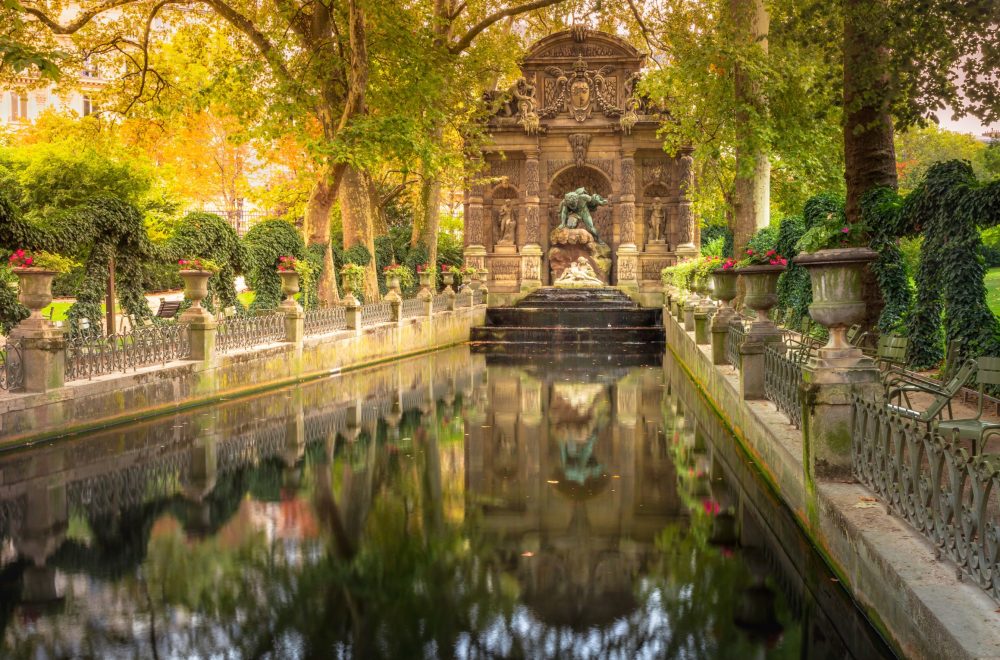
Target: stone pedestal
{"x": 628, "y": 266}
{"x": 531, "y": 267}
{"x": 202, "y": 328}
{"x": 505, "y": 249}
{"x": 702, "y": 320}
{"x": 352, "y": 314}
{"x": 688, "y": 312}
{"x": 657, "y": 247}
{"x": 720, "y": 330}
{"x": 752, "y": 363}
{"x": 826, "y": 420}
{"x": 295, "y": 317}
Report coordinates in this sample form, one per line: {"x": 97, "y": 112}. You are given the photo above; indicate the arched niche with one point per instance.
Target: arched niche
{"x": 497, "y": 197}
{"x": 582, "y": 176}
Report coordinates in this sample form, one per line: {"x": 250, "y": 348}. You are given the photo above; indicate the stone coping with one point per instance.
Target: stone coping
{"x": 918, "y": 602}
{"x": 119, "y": 398}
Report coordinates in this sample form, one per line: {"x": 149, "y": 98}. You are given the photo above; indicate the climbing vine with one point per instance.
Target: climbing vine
{"x": 880, "y": 213}
{"x": 208, "y": 236}
{"x": 948, "y": 208}
{"x": 263, "y": 244}
{"x": 794, "y": 292}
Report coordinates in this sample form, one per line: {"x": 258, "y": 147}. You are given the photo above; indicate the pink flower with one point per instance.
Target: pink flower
{"x": 749, "y": 251}
{"x": 846, "y": 230}
{"x": 770, "y": 253}
{"x": 29, "y": 261}
{"x": 784, "y": 262}
{"x": 711, "y": 507}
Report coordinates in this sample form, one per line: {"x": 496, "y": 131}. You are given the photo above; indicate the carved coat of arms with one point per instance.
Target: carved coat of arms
{"x": 581, "y": 89}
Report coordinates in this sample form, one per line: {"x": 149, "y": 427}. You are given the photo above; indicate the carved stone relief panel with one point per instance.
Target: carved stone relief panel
{"x": 628, "y": 176}
{"x": 651, "y": 269}
{"x": 531, "y": 224}
{"x": 579, "y": 143}
{"x": 505, "y": 269}
{"x": 531, "y": 177}
{"x": 605, "y": 165}
{"x": 655, "y": 170}
{"x": 509, "y": 171}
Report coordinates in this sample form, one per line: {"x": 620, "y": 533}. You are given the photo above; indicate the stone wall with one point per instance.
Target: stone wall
{"x": 124, "y": 397}
{"x": 916, "y": 601}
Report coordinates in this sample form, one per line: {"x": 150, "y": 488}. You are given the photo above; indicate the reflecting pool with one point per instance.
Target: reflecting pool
{"x": 441, "y": 506}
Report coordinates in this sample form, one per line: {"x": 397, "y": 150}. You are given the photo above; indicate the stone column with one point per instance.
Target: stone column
{"x": 531, "y": 251}
{"x": 202, "y": 327}
{"x": 43, "y": 354}
{"x": 475, "y": 245}
{"x": 628, "y": 260}
{"x": 687, "y": 229}
{"x": 352, "y": 313}
{"x": 295, "y": 320}
{"x": 720, "y": 331}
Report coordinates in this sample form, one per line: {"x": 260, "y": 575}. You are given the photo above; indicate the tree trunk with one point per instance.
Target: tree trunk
{"x": 316, "y": 228}
{"x": 430, "y": 198}
{"x": 752, "y": 182}
{"x": 358, "y": 213}
{"x": 869, "y": 154}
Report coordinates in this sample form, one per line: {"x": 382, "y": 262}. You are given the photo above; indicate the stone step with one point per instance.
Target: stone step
{"x": 573, "y": 317}
{"x": 593, "y": 338}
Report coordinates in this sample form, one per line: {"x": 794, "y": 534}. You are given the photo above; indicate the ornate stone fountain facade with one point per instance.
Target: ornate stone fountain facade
{"x": 574, "y": 121}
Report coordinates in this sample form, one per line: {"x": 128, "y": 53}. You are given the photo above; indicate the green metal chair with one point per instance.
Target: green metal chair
{"x": 974, "y": 430}
{"x": 943, "y": 393}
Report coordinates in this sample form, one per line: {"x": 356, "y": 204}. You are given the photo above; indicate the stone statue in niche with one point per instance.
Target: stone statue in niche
{"x": 579, "y": 274}
{"x": 576, "y": 207}
{"x": 505, "y": 224}
{"x": 576, "y": 237}
{"x": 656, "y": 221}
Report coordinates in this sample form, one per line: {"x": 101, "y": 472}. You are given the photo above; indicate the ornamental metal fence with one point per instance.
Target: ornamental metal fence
{"x": 11, "y": 366}
{"x": 734, "y": 341}
{"x": 325, "y": 319}
{"x": 950, "y": 497}
{"x": 441, "y": 302}
{"x": 373, "y": 313}
{"x": 782, "y": 378}
{"x": 238, "y": 332}
{"x": 89, "y": 354}
{"x": 413, "y": 307}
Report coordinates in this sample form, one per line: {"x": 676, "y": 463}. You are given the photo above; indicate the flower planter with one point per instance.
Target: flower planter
{"x": 289, "y": 287}
{"x": 392, "y": 282}
{"x": 448, "y": 279}
{"x": 836, "y": 276}
{"x": 195, "y": 285}
{"x": 724, "y": 285}
{"x": 762, "y": 291}
{"x": 35, "y": 291}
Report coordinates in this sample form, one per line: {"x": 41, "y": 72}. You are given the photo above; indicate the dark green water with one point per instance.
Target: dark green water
{"x": 438, "y": 507}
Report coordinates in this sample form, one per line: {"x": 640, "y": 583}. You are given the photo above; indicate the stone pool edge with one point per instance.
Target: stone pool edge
{"x": 915, "y": 600}
{"x": 121, "y": 398}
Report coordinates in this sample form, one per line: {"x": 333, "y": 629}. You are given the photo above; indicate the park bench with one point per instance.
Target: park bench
{"x": 974, "y": 430}
{"x": 168, "y": 308}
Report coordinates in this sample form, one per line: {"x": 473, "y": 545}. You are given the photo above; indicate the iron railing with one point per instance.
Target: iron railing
{"x": 325, "y": 319}
{"x": 373, "y": 313}
{"x": 413, "y": 307}
{"x": 441, "y": 302}
{"x": 734, "y": 341}
{"x": 90, "y": 354}
{"x": 239, "y": 332}
{"x": 950, "y": 497}
{"x": 11, "y": 366}
{"x": 782, "y": 378}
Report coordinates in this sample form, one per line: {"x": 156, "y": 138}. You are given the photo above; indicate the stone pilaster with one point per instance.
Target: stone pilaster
{"x": 720, "y": 331}
{"x": 628, "y": 260}
{"x": 295, "y": 320}
{"x": 687, "y": 230}
{"x": 531, "y": 251}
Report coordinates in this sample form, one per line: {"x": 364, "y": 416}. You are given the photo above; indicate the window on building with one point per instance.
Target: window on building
{"x": 18, "y": 106}
{"x": 88, "y": 106}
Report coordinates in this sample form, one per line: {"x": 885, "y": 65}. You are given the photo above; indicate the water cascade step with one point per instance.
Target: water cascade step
{"x": 550, "y": 320}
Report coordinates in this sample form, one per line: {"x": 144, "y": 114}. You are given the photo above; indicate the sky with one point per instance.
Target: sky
{"x": 968, "y": 124}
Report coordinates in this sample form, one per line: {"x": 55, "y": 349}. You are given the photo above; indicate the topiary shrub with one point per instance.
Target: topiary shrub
{"x": 794, "y": 288}
{"x": 949, "y": 208}
{"x": 263, "y": 244}
{"x": 208, "y": 236}
{"x": 880, "y": 213}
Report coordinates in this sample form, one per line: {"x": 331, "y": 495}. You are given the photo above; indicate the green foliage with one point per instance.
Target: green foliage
{"x": 794, "y": 287}
{"x": 714, "y": 247}
{"x": 353, "y": 276}
{"x": 713, "y": 233}
{"x": 315, "y": 256}
{"x": 11, "y": 311}
{"x": 880, "y": 208}
{"x": 109, "y": 228}
{"x": 263, "y": 245}
{"x": 831, "y": 232}
{"x": 760, "y": 244}
{"x": 207, "y": 236}
{"x": 948, "y": 208}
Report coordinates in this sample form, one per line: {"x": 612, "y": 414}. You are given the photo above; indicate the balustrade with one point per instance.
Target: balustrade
{"x": 89, "y": 355}
{"x": 248, "y": 331}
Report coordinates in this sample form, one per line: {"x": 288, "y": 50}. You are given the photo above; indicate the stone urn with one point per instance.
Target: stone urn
{"x": 724, "y": 285}
{"x": 475, "y": 281}
{"x": 392, "y": 283}
{"x": 448, "y": 278}
{"x": 35, "y": 292}
{"x": 289, "y": 287}
{"x": 425, "y": 280}
{"x": 195, "y": 285}
{"x": 762, "y": 291}
{"x": 349, "y": 299}
{"x": 836, "y": 276}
